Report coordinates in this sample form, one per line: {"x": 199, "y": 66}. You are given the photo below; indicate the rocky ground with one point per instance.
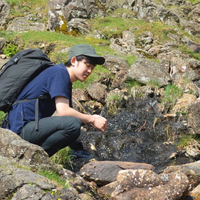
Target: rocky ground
{"x": 140, "y": 153}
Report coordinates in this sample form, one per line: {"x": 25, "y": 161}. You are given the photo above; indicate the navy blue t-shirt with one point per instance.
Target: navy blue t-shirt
{"x": 54, "y": 81}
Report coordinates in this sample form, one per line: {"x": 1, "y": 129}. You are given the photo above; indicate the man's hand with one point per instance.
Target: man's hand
{"x": 99, "y": 122}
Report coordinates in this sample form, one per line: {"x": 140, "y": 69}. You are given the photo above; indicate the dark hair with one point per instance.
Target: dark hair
{"x": 88, "y": 59}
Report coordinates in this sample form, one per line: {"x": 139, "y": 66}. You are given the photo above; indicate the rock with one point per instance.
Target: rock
{"x": 4, "y": 11}
{"x": 115, "y": 64}
{"x": 191, "y": 170}
{"x": 80, "y": 95}
{"x": 23, "y": 152}
{"x": 14, "y": 178}
{"x": 104, "y": 172}
{"x": 119, "y": 80}
{"x": 32, "y": 192}
{"x": 195, "y": 193}
{"x": 182, "y": 104}
{"x": 145, "y": 71}
{"x": 194, "y": 117}
{"x": 145, "y": 184}
{"x": 93, "y": 107}
{"x": 78, "y": 26}
{"x": 124, "y": 45}
{"x": 60, "y": 13}
{"x": 23, "y": 25}
{"x": 97, "y": 91}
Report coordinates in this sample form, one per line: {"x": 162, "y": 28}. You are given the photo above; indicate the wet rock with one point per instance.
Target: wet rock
{"x": 93, "y": 107}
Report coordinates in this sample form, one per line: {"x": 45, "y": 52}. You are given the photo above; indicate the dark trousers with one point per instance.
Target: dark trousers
{"x": 54, "y": 132}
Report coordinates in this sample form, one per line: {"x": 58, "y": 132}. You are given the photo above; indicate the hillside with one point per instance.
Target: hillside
{"x": 148, "y": 88}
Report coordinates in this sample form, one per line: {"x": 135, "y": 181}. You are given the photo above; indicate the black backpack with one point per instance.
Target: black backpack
{"x": 18, "y": 72}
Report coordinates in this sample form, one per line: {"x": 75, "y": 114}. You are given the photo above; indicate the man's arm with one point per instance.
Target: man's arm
{"x": 63, "y": 109}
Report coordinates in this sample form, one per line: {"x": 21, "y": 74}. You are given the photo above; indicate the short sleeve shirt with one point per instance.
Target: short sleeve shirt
{"x": 54, "y": 81}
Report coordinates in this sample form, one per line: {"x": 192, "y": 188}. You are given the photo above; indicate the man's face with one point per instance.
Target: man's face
{"x": 82, "y": 69}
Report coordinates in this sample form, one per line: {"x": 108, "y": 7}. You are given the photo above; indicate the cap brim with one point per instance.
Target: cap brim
{"x": 98, "y": 59}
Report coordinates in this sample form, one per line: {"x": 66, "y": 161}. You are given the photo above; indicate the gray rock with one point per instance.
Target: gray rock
{"x": 4, "y": 11}
{"x": 145, "y": 71}
{"x": 23, "y": 25}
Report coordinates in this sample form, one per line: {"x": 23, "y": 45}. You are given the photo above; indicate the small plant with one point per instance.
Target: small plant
{"x": 130, "y": 83}
{"x": 171, "y": 94}
{"x": 10, "y": 49}
{"x": 64, "y": 157}
{"x": 187, "y": 140}
{"x": 153, "y": 84}
{"x": 113, "y": 103}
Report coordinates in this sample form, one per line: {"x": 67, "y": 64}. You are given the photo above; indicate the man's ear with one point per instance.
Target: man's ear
{"x": 73, "y": 61}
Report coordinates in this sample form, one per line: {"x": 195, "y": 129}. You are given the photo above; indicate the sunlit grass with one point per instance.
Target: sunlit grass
{"x": 19, "y": 7}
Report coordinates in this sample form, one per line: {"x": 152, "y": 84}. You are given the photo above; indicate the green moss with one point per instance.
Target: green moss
{"x": 63, "y": 27}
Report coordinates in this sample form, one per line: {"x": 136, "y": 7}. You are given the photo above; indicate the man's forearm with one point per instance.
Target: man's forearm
{"x": 84, "y": 118}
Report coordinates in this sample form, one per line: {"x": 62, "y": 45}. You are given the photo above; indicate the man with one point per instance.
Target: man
{"x": 56, "y": 132}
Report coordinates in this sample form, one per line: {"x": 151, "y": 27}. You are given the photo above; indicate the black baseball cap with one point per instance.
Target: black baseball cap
{"x": 86, "y": 50}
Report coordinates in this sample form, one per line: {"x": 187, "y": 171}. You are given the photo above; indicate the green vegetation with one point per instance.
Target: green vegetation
{"x": 10, "y": 49}
{"x": 64, "y": 157}
{"x": 186, "y": 140}
{"x": 54, "y": 177}
{"x": 191, "y": 53}
{"x": 172, "y": 93}
{"x": 20, "y": 7}
{"x": 2, "y": 115}
{"x": 153, "y": 84}
{"x": 113, "y": 103}
{"x": 194, "y": 1}
{"x": 130, "y": 83}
